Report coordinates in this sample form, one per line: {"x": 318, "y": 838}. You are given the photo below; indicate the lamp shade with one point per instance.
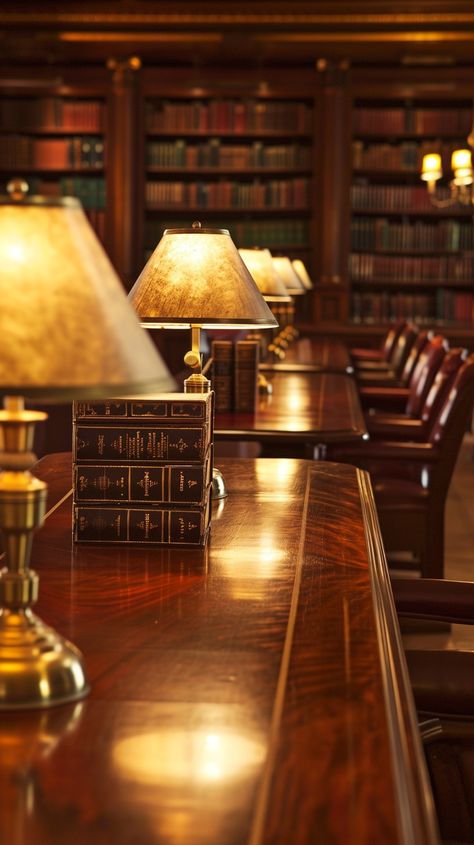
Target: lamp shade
{"x": 66, "y": 327}
{"x": 461, "y": 163}
{"x": 197, "y": 277}
{"x": 302, "y": 272}
{"x": 293, "y": 283}
{"x": 260, "y": 265}
{"x": 431, "y": 169}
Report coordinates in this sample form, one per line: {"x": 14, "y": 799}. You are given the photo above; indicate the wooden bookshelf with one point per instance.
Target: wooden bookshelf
{"x": 408, "y": 258}
{"x": 318, "y": 162}
{"x": 239, "y": 156}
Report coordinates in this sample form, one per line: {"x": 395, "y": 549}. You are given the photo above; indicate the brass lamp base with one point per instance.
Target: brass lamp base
{"x": 38, "y": 668}
{"x": 219, "y": 490}
{"x": 264, "y": 386}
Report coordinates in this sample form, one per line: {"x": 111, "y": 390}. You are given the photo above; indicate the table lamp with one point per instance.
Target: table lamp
{"x": 67, "y": 333}
{"x": 270, "y": 284}
{"x": 300, "y": 268}
{"x": 196, "y": 279}
{"x": 293, "y": 284}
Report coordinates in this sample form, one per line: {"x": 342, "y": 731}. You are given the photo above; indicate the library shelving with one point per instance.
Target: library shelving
{"x": 54, "y": 136}
{"x": 319, "y": 162}
{"x": 236, "y": 157}
{"x": 407, "y": 257}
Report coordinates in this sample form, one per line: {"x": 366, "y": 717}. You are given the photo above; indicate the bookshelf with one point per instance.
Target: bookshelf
{"x": 237, "y": 156}
{"x": 408, "y": 258}
{"x": 54, "y": 136}
{"x": 319, "y": 162}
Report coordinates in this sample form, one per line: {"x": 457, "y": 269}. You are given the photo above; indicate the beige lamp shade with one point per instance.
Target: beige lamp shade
{"x": 302, "y": 272}
{"x": 67, "y": 330}
{"x": 260, "y": 265}
{"x": 197, "y": 277}
{"x": 293, "y": 283}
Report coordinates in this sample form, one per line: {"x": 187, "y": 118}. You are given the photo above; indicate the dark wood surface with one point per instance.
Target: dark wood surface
{"x": 253, "y": 692}
{"x": 308, "y": 408}
{"x": 312, "y": 355}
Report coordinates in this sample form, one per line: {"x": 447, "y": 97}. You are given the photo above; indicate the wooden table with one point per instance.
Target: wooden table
{"x": 305, "y": 408}
{"x": 251, "y": 692}
{"x": 313, "y": 355}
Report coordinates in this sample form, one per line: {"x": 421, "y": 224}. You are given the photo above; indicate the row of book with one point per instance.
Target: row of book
{"x": 274, "y": 193}
{"x": 397, "y": 198}
{"x": 278, "y": 232}
{"x": 235, "y": 374}
{"x": 412, "y": 120}
{"x": 368, "y": 233}
{"x": 227, "y": 156}
{"x": 50, "y": 113}
{"x": 426, "y": 309}
{"x": 411, "y": 268}
{"x": 90, "y": 191}
{"x": 52, "y": 153}
{"x": 405, "y": 156}
{"x": 228, "y": 116}
{"x": 143, "y": 469}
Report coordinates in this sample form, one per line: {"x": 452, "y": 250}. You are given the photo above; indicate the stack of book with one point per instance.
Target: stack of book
{"x": 235, "y": 374}
{"x": 143, "y": 469}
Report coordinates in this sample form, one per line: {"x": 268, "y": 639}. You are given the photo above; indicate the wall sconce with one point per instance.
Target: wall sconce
{"x": 460, "y": 186}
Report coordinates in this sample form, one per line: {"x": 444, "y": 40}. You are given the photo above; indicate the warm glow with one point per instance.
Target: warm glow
{"x": 187, "y": 757}
{"x": 292, "y": 281}
{"x": 431, "y": 169}
{"x": 461, "y": 159}
{"x": 461, "y": 164}
{"x": 60, "y": 295}
{"x": 302, "y": 272}
{"x": 15, "y": 252}
{"x": 260, "y": 266}
{"x": 197, "y": 277}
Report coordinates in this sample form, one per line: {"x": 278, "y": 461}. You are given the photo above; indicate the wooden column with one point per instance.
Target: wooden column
{"x": 333, "y": 187}
{"x": 123, "y": 167}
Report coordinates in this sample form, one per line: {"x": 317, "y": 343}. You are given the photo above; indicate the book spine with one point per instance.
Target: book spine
{"x": 181, "y": 484}
{"x": 98, "y": 443}
{"x": 222, "y": 352}
{"x": 199, "y": 408}
{"x": 157, "y": 526}
{"x": 246, "y": 375}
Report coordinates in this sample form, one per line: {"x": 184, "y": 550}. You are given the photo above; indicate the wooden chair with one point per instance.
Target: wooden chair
{"x": 386, "y": 347}
{"x": 411, "y": 479}
{"x": 409, "y": 398}
{"x": 420, "y": 414}
{"x": 393, "y": 367}
{"x": 443, "y": 688}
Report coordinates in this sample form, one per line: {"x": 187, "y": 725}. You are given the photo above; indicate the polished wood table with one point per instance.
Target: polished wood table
{"x": 312, "y": 355}
{"x": 305, "y": 408}
{"x": 249, "y": 693}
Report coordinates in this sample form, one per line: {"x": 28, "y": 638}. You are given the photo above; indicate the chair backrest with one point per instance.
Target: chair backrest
{"x": 402, "y": 348}
{"x": 424, "y": 373}
{"x": 451, "y": 423}
{"x": 413, "y": 356}
{"x": 441, "y": 386}
{"x": 391, "y": 338}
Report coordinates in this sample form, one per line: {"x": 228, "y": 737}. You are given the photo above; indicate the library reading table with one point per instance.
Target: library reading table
{"x": 251, "y": 692}
{"x": 305, "y": 408}
{"x": 313, "y": 355}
